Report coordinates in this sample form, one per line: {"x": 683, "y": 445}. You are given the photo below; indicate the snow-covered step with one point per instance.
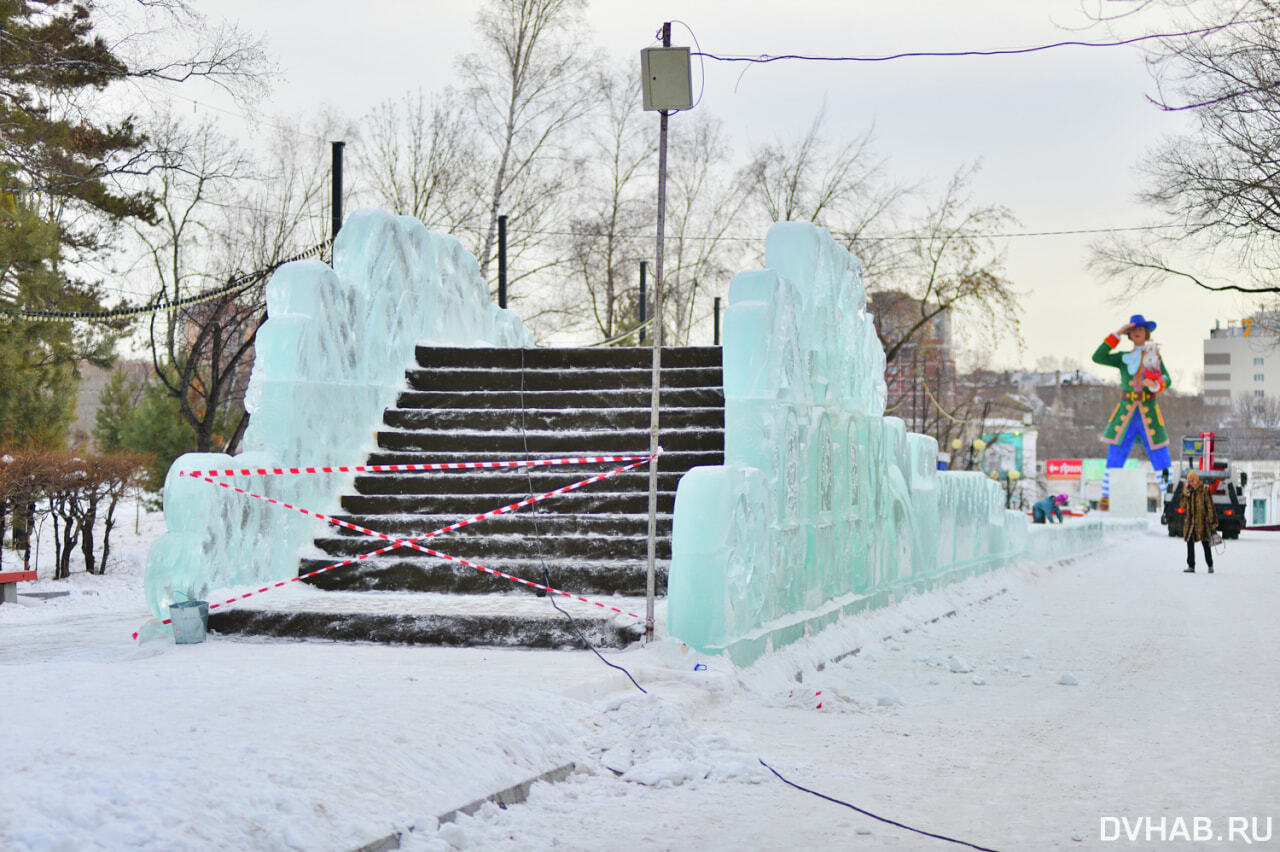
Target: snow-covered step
{"x": 590, "y": 499}
{"x": 512, "y": 619}
{"x": 516, "y": 483}
{"x": 683, "y": 397}
{"x": 569, "y": 442}
{"x": 486, "y": 548}
{"x": 579, "y": 359}
{"x": 409, "y": 571}
{"x": 671, "y": 460}
{"x": 541, "y": 419}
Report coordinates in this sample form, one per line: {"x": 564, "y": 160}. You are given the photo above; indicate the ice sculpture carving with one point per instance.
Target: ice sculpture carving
{"x": 823, "y": 505}
{"x": 329, "y": 360}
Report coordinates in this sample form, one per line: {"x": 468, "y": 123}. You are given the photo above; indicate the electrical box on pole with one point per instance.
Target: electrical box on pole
{"x": 665, "y": 78}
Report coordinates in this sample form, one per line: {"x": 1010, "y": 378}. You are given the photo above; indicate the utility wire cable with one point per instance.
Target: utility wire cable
{"x": 869, "y": 238}
{"x": 702, "y": 73}
{"x": 596, "y": 651}
{"x": 537, "y": 533}
{"x": 546, "y": 581}
{"x": 868, "y": 813}
{"x": 1009, "y": 51}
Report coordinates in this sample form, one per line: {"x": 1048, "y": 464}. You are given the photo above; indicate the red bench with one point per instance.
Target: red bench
{"x": 8, "y": 584}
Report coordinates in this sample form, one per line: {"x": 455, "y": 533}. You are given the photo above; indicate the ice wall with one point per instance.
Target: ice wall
{"x": 329, "y": 360}
{"x": 824, "y": 506}
{"x": 1049, "y": 542}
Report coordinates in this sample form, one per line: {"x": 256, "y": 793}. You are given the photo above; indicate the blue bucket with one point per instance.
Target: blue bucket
{"x": 190, "y": 621}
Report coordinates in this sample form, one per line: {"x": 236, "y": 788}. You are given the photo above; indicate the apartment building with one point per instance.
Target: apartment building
{"x": 1242, "y": 360}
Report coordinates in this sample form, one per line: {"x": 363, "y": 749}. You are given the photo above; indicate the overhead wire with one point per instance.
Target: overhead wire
{"x": 761, "y": 59}
{"x": 868, "y": 238}
{"x": 702, "y": 77}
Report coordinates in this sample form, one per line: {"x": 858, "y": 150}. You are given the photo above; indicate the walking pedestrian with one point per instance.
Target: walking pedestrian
{"x": 1199, "y": 520}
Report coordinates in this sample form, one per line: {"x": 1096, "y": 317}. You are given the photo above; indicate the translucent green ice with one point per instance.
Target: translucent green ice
{"x": 823, "y": 506}
{"x": 330, "y": 358}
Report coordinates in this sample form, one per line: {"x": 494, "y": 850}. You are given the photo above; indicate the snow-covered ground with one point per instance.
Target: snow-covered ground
{"x": 948, "y": 712}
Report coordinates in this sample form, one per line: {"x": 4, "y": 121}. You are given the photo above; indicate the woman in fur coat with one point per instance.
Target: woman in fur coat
{"x": 1199, "y": 520}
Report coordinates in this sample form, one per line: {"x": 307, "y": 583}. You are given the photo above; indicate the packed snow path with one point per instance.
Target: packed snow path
{"x": 959, "y": 726}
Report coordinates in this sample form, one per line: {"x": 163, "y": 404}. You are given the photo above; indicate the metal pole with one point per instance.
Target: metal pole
{"x": 502, "y": 261}
{"x": 657, "y": 357}
{"x": 715, "y": 339}
{"x": 644, "y": 298}
{"x": 337, "y": 187}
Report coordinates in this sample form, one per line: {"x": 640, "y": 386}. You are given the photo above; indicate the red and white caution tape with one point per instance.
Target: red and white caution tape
{"x": 412, "y": 542}
{"x": 405, "y": 468}
{"x": 529, "y": 501}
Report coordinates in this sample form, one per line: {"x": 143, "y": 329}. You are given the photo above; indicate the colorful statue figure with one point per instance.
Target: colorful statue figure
{"x": 1137, "y": 416}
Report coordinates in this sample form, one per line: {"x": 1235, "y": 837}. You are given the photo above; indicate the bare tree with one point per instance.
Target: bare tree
{"x": 955, "y": 267}
{"x": 810, "y": 179}
{"x": 972, "y": 403}
{"x": 841, "y": 186}
{"x": 704, "y": 203}
{"x": 171, "y": 41}
{"x": 285, "y": 209}
{"x": 419, "y": 162}
{"x": 525, "y": 90}
{"x": 225, "y": 223}
{"x": 611, "y": 234}
{"x": 1215, "y": 186}
{"x": 193, "y": 351}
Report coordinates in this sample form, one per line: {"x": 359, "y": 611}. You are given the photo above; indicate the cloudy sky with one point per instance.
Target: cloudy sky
{"x": 1057, "y": 133}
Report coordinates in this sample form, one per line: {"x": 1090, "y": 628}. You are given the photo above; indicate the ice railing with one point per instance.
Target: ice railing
{"x": 1050, "y": 542}
{"x": 823, "y": 506}
{"x": 329, "y": 360}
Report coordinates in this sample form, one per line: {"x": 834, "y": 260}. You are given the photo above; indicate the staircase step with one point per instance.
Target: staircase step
{"x": 509, "y": 620}
{"x": 467, "y": 378}
{"x": 486, "y": 549}
{"x": 406, "y": 571}
{"x": 562, "y": 358}
{"x": 514, "y": 443}
{"x": 600, "y": 398}
{"x": 584, "y": 500}
{"x": 516, "y": 482}
{"x": 670, "y": 460}
{"x": 522, "y": 521}
{"x": 543, "y": 419}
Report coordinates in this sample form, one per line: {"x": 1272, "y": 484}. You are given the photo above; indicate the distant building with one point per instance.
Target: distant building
{"x": 921, "y": 376}
{"x": 1242, "y": 360}
{"x": 89, "y": 389}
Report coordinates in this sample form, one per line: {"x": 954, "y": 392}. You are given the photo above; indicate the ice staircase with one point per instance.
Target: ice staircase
{"x": 470, "y": 404}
